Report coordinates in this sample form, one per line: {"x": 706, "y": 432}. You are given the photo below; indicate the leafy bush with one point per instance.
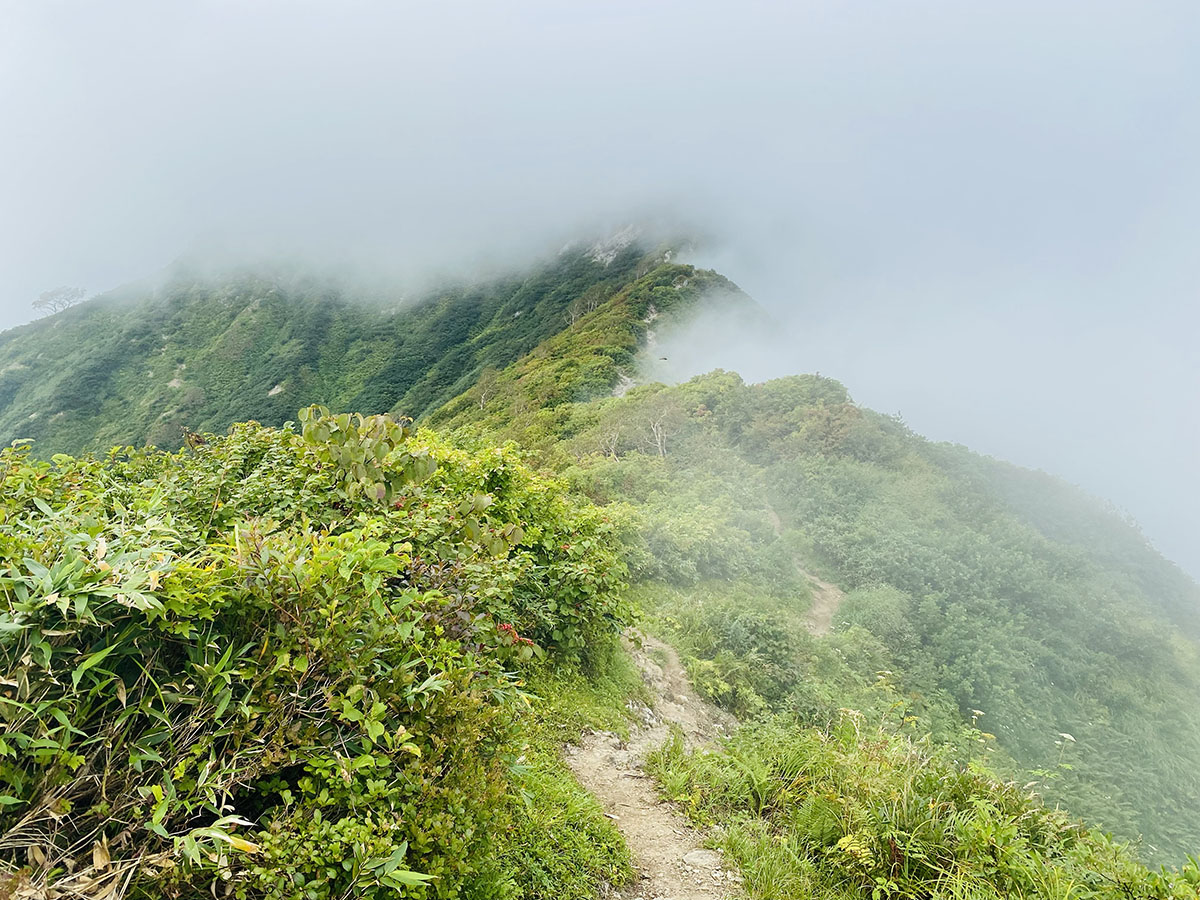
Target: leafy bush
{"x": 279, "y": 662}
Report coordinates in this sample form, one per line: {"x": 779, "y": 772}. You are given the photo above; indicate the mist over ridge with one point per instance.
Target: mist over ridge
{"x": 981, "y": 218}
{"x": 600, "y": 450}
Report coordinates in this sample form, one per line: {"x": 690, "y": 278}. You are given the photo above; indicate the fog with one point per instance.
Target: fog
{"x": 979, "y": 215}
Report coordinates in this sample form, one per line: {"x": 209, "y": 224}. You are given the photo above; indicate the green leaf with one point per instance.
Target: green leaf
{"x": 405, "y": 878}
{"x": 94, "y": 660}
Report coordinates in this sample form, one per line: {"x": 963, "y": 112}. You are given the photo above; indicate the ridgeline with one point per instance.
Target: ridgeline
{"x": 315, "y": 656}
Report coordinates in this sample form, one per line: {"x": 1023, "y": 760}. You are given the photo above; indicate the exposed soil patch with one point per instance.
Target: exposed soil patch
{"x": 826, "y": 600}
{"x": 826, "y": 597}
{"x": 667, "y": 850}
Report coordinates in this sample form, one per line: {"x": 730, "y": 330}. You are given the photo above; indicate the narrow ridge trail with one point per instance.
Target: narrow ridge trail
{"x": 668, "y": 851}
{"x": 826, "y": 599}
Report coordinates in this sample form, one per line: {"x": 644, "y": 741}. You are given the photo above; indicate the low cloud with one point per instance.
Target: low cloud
{"x": 981, "y": 216}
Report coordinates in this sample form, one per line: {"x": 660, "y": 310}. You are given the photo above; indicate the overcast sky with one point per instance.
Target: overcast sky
{"x": 985, "y": 216}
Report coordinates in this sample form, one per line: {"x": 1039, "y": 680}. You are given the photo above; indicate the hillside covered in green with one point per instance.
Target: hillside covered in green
{"x": 295, "y": 664}
{"x": 978, "y": 585}
{"x": 952, "y": 589}
{"x": 343, "y": 635}
{"x": 204, "y": 351}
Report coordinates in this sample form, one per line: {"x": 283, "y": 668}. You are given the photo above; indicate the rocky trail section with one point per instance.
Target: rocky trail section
{"x": 668, "y": 851}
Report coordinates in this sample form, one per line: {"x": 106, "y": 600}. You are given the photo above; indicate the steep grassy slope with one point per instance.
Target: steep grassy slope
{"x": 597, "y": 355}
{"x": 135, "y": 365}
{"x": 851, "y": 809}
{"x": 977, "y": 585}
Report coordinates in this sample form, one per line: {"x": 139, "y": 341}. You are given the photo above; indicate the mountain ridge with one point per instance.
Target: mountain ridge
{"x": 137, "y": 364}
{"x": 977, "y": 586}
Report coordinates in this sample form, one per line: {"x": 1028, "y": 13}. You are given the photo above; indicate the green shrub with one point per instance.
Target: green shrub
{"x": 280, "y": 661}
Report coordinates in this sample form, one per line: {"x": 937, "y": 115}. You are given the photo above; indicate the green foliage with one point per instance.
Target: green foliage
{"x": 583, "y": 362}
{"x": 976, "y": 585}
{"x": 852, "y": 810}
{"x": 739, "y": 654}
{"x": 222, "y": 624}
{"x": 364, "y": 450}
{"x": 135, "y": 365}
{"x": 749, "y": 652}
{"x": 250, "y": 662}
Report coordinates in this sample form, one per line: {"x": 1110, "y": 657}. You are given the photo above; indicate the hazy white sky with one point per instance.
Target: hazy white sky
{"x": 983, "y": 215}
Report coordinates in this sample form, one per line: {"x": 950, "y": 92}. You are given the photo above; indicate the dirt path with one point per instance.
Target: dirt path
{"x": 826, "y": 600}
{"x": 826, "y": 597}
{"x": 667, "y": 850}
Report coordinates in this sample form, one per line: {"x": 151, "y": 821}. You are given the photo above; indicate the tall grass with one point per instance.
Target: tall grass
{"x": 853, "y": 810}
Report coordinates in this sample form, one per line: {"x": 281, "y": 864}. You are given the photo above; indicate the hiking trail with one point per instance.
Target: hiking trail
{"x": 826, "y": 597}
{"x": 668, "y": 853}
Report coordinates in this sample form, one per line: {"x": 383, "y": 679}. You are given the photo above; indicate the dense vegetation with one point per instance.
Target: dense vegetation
{"x": 851, "y": 810}
{"x": 345, "y": 659}
{"x": 199, "y": 351}
{"x": 979, "y": 586}
{"x": 287, "y": 664}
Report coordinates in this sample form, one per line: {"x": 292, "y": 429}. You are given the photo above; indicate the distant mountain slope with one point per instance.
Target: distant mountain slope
{"x": 597, "y": 356}
{"x": 133, "y": 366}
{"x": 986, "y": 592}
{"x": 1068, "y": 515}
